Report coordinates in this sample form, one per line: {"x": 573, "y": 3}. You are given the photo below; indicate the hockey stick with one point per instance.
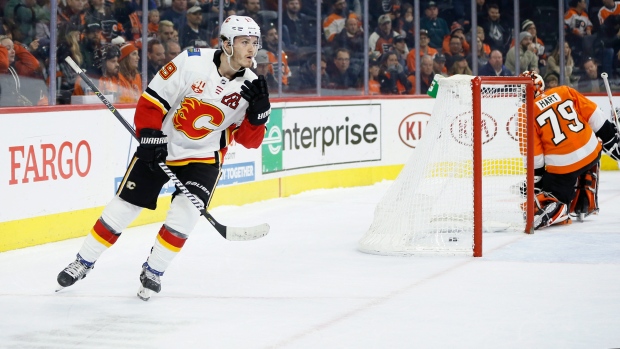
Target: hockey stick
{"x": 611, "y": 103}
{"x": 229, "y": 233}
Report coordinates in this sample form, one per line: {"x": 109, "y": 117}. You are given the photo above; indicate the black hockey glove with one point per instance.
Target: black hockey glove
{"x": 609, "y": 135}
{"x": 257, "y": 95}
{"x": 153, "y": 147}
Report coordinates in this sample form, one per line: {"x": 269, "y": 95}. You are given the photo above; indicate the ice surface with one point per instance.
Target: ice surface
{"x": 305, "y": 285}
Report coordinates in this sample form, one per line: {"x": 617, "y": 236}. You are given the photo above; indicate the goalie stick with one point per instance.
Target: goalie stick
{"x": 611, "y": 103}
{"x": 229, "y": 233}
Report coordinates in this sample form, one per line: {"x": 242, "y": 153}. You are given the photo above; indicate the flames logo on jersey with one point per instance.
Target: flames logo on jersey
{"x": 188, "y": 118}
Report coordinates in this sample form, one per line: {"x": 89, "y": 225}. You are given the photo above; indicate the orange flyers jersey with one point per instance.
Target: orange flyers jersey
{"x": 200, "y": 111}
{"x": 564, "y": 123}
{"x": 604, "y": 12}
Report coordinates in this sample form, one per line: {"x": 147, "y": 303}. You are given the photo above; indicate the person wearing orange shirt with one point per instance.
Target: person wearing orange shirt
{"x": 425, "y": 49}
{"x": 610, "y": 8}
{"x": 130, "y": 79}
{"x": 455, "y": 29}
{"x": 18, "y": 67}
{"x": 334, "y": 22}
{"x": 567, "y": 128}
{"x": 270, "y": 39}
{"x": 108, "y": 81}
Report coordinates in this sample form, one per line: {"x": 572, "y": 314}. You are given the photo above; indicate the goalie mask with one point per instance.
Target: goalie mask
{"x": 234, "y": 26}
{"x": 539, "y": 83}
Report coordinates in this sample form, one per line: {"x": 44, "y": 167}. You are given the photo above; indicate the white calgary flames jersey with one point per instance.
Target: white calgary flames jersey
{"x": 199, "y": 110}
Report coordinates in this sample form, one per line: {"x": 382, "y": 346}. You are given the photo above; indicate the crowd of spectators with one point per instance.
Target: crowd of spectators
{"x": 105, "y": 38}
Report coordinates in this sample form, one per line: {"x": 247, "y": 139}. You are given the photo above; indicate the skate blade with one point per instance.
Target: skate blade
{"x": 144, "y": 293}
{"x": 59, "y": 288}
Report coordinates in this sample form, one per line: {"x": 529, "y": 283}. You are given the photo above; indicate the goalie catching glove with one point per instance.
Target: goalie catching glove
{"x": 153, "y": 147}
{"x": 257, "y": 95}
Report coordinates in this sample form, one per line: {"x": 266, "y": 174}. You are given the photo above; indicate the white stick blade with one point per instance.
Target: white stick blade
{"x": 247, "y": 233}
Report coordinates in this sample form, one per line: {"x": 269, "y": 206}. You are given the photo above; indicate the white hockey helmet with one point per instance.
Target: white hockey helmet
{"x": 539, "y": 83}
{"x": 234, "y": 26}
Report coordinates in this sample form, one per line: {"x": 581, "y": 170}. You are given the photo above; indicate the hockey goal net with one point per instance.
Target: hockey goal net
{"x": 466, "y": 174}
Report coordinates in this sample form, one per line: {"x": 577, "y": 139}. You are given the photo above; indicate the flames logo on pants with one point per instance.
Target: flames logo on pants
{"x": 187, "y": 118}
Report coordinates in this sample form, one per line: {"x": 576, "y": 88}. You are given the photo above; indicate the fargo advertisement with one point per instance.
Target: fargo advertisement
{"x": 322, "y": 135}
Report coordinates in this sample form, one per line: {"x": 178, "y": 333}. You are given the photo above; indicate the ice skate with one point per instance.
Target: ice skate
{"x": 76, "y": 270}
{"x": 150, "y": 282}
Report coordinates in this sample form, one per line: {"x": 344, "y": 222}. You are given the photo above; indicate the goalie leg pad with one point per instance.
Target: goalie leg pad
{"x": 586, "y": 193}
{"x": 549, "y": 211}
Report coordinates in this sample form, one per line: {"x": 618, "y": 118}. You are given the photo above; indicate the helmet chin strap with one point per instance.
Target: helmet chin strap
{"x": 232, "y": 50}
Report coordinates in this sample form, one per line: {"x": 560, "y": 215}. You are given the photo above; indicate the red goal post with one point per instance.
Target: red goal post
{"x": 477, "y": 83}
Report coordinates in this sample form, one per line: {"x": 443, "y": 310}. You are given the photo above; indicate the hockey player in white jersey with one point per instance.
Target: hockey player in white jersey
{"x": 188, "y": 115}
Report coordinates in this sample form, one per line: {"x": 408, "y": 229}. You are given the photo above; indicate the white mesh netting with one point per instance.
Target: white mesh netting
{"x": 429, "y": 207}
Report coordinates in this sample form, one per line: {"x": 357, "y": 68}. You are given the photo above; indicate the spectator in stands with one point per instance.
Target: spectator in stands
{"x": 591, "y": 81}
{"x": 439, "y": 65}
{"x": 437, "y": 27}
{"x": 172, "y": 49}
{"x": 23, "y": 14}
{"x": 156, "y": 56}
{"x": 89, "y": 45}
{"x": 480, "y": 34}
{"x": 270, "y": 41}
{"x": 107, "y": 60}
{"x": 456, "y": 49}
{"x": 481, "y": 9}
{"x": 374, "y": 85}
{"x": 424, "y": 50}
{"x": 68, "y": 45}
{"x": 130, "y": 79}
{"x": 342, "y": 76}
{"x": 69, "y": 15}
{"x": 382, "y": 39}
{"x": 165, "y": 31}
{"x": 426, "y": 75}
{"x": 392, "y": 75}
{"x": 527, "y": 59}
{"x": 553, "y": 64}
{"x": 456, "y": 30}
{"x": 401, "y": 50}
{"x": 105, "y": 75}
{"x": 551, "y": 81}
{"x": 579, "y": 28}
{"x": 496, "y": 30}
{"x": 191, "y": 34}
{"x": 495, "y": 66}
{"x": 481, "y": 58}
{"x": 334, "y": 22}
{"x": 300, "y": 26}
{"x": 264, "y": 67}
{"x": 351, "y": 38}
{"x": 252, "y": 8}
{"x": 608, "y": 42}
{"x": 306, "y": 80}
{"x": 176, "y": 13}
{"x": 153, "y": 26}
{"x": 529, "y": 26}
{"x": 406, "y": 25}
{"x": 102, "y": 13}
{"x": 16, "y": 65}
{"x": 459, "y": 66}
{"x": 610, "y": 8}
